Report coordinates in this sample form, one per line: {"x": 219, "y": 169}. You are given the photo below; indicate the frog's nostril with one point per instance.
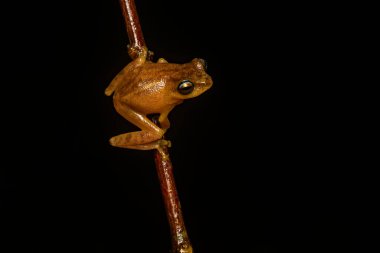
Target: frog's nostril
{"x": 204, "y": 63}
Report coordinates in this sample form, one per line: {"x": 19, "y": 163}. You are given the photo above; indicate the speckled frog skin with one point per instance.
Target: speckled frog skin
{"x": 144, "y": 87}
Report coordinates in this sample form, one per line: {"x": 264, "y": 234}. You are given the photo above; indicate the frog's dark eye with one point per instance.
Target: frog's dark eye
{"x": 185, "y": 87}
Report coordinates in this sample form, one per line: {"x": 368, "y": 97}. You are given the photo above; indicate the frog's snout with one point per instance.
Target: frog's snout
{"x": 200, "y": 64}
{"x": 209, "y": 81}
{"x": 204, "y": 63}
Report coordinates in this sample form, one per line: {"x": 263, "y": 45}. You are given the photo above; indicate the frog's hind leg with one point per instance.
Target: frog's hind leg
{"x": 141, "y": 140}
{"x": 159, "y": 144}
{"x": 147, "y": 136}
{"x": 152, "y": 145}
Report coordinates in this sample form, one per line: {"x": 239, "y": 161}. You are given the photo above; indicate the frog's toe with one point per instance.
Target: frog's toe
{"x": 113, "y": 141}
{"x": 167, "y": 143}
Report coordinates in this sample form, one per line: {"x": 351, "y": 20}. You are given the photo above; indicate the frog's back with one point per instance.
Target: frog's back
{"x": 148, "y": 88}
{"x": 147, "y": 79}
{"x": 119, "y": 79}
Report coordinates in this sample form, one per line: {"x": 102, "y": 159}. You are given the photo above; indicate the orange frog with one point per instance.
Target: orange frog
{"x": 144, "y": 87}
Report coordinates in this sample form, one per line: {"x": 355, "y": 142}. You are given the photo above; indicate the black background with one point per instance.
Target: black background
{"x": 257, "y": 158}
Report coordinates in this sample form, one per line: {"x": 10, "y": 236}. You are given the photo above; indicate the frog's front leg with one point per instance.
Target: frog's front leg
{"x": 145, "y": 139}
{"x": 119, "y": 78}
{"x": 163, "y": 119}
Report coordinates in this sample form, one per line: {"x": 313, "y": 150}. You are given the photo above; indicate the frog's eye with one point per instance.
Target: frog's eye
{"x": 185, "y": 87}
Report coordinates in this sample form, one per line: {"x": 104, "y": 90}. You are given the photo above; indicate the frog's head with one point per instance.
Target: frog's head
{"x": 194, "y": 79}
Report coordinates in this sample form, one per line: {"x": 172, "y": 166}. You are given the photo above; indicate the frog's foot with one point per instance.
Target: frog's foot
{"x": 161, "y": 148}
{"x": 159, "y": 145}
{"x": 139, "y": 52}
{"x": 163, "y": 143}
{"x": 136, "y": 52}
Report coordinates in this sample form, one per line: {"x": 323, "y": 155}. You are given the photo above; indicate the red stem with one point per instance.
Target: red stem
{"x": 132, "y": 24}
{"x": 180, "y": 240}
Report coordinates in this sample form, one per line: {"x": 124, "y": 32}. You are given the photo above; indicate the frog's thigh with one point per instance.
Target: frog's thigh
{"x": 149, "y": 131}
{"x": 138, "y": 119}
{"x": 134, "y": 139}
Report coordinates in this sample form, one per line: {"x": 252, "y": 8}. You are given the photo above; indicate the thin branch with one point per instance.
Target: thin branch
{"x": 180, "y": 239}
{"x": 132, "y": 24}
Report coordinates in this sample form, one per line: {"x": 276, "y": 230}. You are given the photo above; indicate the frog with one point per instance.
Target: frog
{"x": 144, "y": 88}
